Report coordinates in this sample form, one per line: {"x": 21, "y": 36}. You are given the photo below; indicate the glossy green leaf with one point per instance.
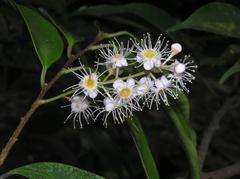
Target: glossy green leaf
{"x": 71, "y": 39}
{"x": 180, "y": 111}
{"x": 216, "y": 17}
{"x": 45, "y": 37}
{"x": 179, "y": 114}
{"x": 143, "y": 148}
{"x": 49, "y": 170}
{"x": 151, "y": 14}
{"x": 234, "y": 69}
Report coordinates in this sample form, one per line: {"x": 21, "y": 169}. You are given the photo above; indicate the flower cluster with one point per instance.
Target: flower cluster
{"x": 155, "y": 76}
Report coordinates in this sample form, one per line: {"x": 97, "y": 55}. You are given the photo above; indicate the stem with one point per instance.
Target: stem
{"x": 223, "y": 173}
{"x": 213, "y": 126}
{"x": 109, "y": 74}
{"x": 42, "y": 78}
{"x": 45, "y": 88}
{"x": 96, "y": 47}
{"x": 117, "y": 73}
{"x": 36, "y": 103}
{"x": 144, "y": 151}
{"x": 45, "y": 101}
{"x": 70, "y": 70}
{"x": 19, "y": 128}
{"x": 189, "y": 147}
{"x": 107, "y": 35}
{"x": 153, "y": 77}
{"x": 69, "y": 51}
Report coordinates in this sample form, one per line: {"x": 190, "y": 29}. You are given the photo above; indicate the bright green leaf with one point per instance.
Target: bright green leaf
{"x": 45, "y": 37}
{"x": 216, "y": 17}
{"x": 234, "y": 69}
{"x": 71, "y": 39}
{"x": 151, "y": 14}
{"x": 180, "y": 111}
{"x": 143, "y": 148}
{"x": 179, "y": 114}
{"x": 49, "y": 170}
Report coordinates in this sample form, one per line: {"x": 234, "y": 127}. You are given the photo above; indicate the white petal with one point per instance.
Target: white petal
{"x": 75, "y": 99}
{"x": 157, "y": 63}
{"x": 148, "y": 65}
{"x": 124, "y": 62}
{"x": 118, "y": 84}
{"x": 130, "y": 83}
{"x": 165, "y": 82}
{"x": 118, "y": 63}
{"x": 94, "y": 76}
{"x": 142, "y": 80}
{"x": 139, "y": 58}
{"x": 159, "y": 84}
{"x": 141, "y": 89}
{"x": 107, "y": 100}
{"x": 92, "y": 93}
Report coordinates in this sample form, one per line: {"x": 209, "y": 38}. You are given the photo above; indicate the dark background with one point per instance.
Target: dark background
{"x": 111, "y": 152}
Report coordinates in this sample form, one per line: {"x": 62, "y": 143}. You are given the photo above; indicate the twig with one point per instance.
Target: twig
{"x": 37, "y": 103}
{"x": 213, "y": 126}
{"x": 6, "y": 175}
{"x": 223, "y": 173}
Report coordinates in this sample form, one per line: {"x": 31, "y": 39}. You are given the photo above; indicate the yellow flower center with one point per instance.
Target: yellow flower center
{"x": 125, "y": 92}
{"x": 149, "y": 53}
{"x": 90, "y": 83}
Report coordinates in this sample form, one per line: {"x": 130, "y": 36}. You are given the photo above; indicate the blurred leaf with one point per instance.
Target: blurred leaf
{"x": 46, "y": 39}
{"x": 49, "y": 170}
{"x": 184, "y": 106}
{"x": 143, "y": 148}
{"x": 234, "y": 69}
{"x": 179, "y": 114}
{"x": 216, "y": 17}
{"x": 181, "y": 111}
{"x": 152, "y": 14}
{"x": 71, "y": 39}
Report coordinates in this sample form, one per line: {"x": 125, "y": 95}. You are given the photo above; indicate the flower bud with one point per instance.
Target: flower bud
{"x": 175, "y": 49}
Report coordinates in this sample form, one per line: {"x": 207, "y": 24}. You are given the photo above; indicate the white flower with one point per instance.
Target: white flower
{"x": 80, "y": 108}
{"x": 88, "y": 84}
{"x": 125, "y": 90}
{"x": 150, "y": 56}
{"x": 182, "y": 72}
{"x": 143, "y": 89}
{"x": 116, "y": 55}
{"x": 116, "y": 108}
{"x": 162, "y": 88}
{"x": 126, "y": 93}
{"x": 144, "y": 85}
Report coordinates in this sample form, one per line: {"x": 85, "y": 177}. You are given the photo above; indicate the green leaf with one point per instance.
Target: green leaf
{"x": 216, "y": 17}
{"x": 151, "y": 14}
{"x": 180, "y": 110}
{"x": 179, "y": 114}
{"x": 71, "y": 39}
{"x": 234, "y": 69}
{"x": 143, "y": 148}
{"x": 47, "y": 41}
{"x": 49, "y": 170}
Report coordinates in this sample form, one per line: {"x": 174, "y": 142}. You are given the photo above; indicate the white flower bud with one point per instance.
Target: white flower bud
{"x": 176, "y": 48}
{"x": 179, "y": 68}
